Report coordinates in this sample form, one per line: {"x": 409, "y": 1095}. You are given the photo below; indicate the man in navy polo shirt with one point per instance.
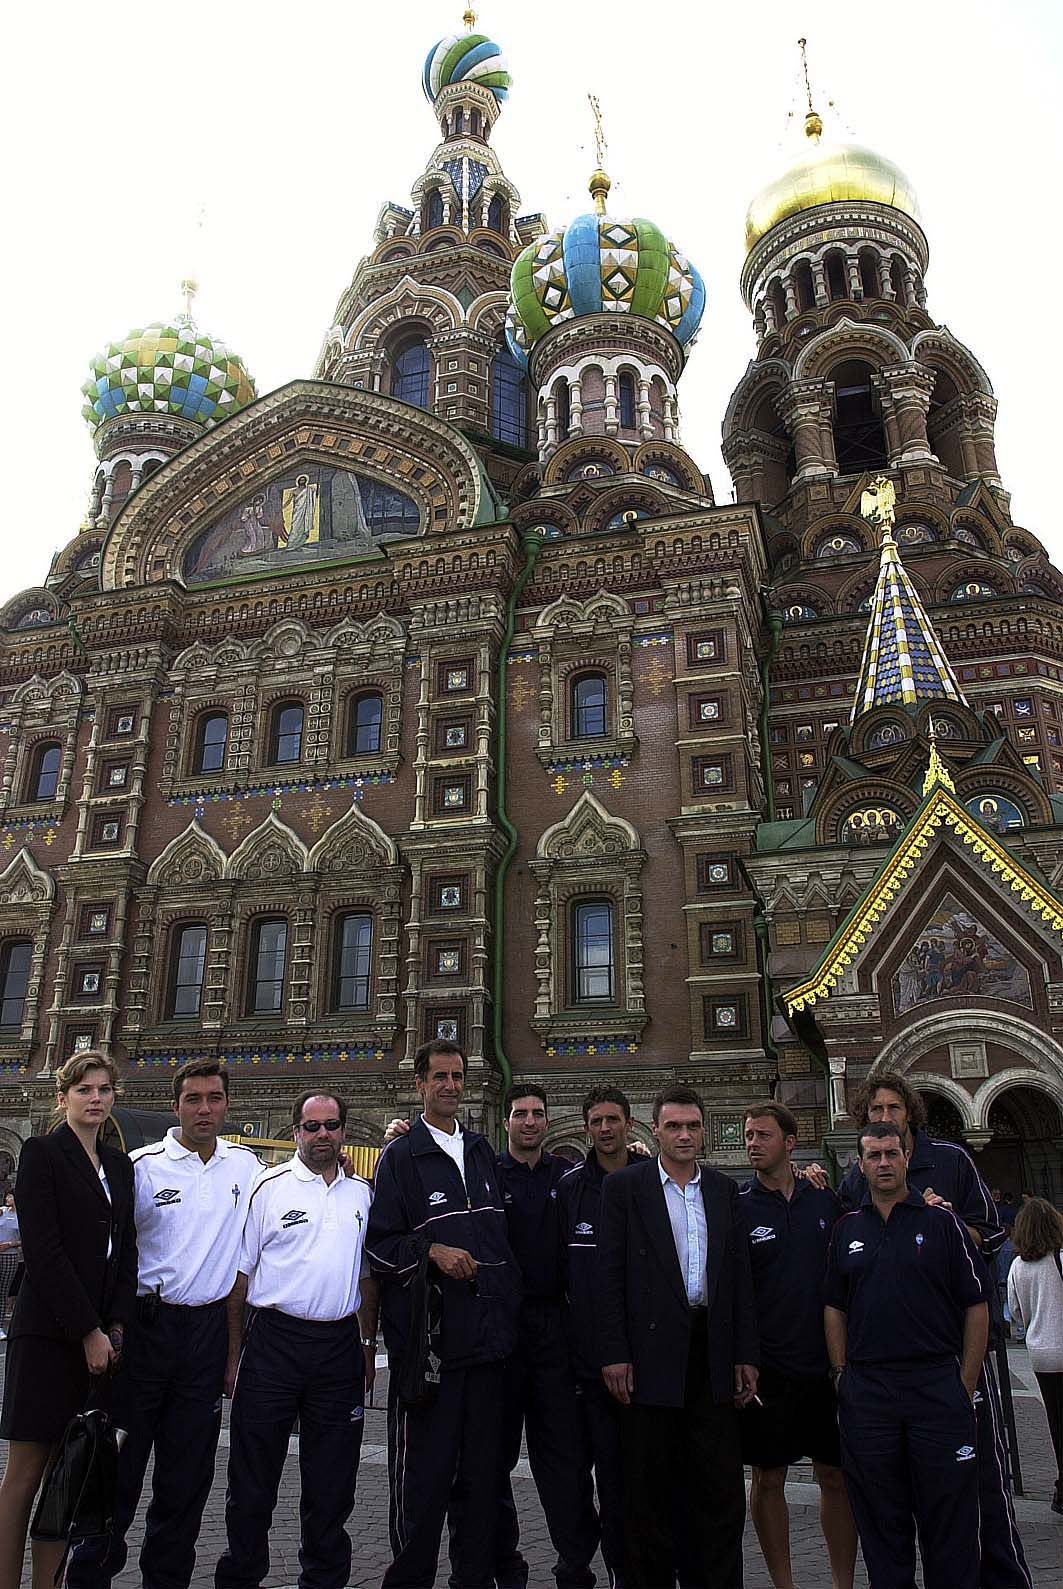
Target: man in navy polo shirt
{"x": 945, "y": 1174}
{"x": 789, "y": 1223}
{"x": 907, "y": 1326}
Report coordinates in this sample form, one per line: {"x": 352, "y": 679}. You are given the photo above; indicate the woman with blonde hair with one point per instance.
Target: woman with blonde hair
{"x": 1035, "y": 1299}
{"x": 79, "y": 1252}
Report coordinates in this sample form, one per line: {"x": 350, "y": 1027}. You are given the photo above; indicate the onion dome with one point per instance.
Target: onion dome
{"x": 829, "y": 173}
{"x": 466, "y": 58}
{"x": 602, "y": 264}
{"x": 167, "y": 369}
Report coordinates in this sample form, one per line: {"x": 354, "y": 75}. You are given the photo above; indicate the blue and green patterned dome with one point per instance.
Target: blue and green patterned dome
{"x": 167, "y": 369}
{"x": 600, "y": 263}
{"x": 465, "y": 58}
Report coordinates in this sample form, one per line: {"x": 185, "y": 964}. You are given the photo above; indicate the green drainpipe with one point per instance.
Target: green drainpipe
{"x": 532, "y": 543}
{"x": 775, "y": 631}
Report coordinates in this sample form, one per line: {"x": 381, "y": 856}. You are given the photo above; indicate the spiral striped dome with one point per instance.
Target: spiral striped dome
{"x": 465, "y": 58}
{"x": 597, "y": 264}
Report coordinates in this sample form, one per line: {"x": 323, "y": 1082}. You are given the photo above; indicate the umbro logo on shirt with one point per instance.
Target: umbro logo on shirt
{"x": 435, "y": 1198}
{"x": 294, "y": 1216}
{"x": 583, "y": 1229}
{"x": 762, "y": 1233}
{"x": 168, "y": 1195}
{"x": 919, "y": 1239}
{"x": 965, "y": 1454}
{"x": 856, "y": 1246}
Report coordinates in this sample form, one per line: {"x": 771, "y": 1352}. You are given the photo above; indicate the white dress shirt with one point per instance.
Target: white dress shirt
{"x": 686, "y": 1214}
{"x": 452, "y": 1143}
{"x": 190, "y": 1218}
{"x": 303, "y": 1239}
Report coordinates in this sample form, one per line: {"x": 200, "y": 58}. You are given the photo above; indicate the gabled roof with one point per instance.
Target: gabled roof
{"x": 940, "y": 811}
{"x": 903, "y": 661}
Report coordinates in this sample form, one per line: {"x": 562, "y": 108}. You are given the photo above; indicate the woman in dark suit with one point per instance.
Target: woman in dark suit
{"x": 78, "y": 1290}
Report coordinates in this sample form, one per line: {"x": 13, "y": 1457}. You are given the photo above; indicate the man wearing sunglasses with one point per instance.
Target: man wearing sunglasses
{"x": 308, "y": 1352}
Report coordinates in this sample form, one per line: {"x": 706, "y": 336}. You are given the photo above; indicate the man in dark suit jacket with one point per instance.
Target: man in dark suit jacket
{"x": 678, "y": 1344}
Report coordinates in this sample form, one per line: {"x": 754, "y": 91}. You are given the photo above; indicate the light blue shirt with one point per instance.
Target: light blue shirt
{"x": 686, "y": 1214}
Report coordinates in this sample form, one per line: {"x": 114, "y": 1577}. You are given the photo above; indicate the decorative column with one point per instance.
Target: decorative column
{"x": 790, "y": 290}
{"x": 852, "y": 265}
{"x": 904, "y": 393}
{"x": 805, "y": 407}
{"x": 575, "y": 407}
{"x": 839, "y": 1110}
{"x": 980, "y": 412}
{"x": 645, "y": 419}
{"x": 612, "y": 412}
{"x": 819, "y": 283}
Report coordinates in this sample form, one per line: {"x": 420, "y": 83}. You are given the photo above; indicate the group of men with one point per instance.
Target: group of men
{"x": 645, "y": 1325}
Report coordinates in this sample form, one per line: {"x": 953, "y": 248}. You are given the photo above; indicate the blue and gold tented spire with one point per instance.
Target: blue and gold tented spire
{"x": 904, "y": 662}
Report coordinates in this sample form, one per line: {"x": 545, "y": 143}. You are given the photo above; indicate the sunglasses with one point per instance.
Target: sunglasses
{"x": 319, "y": 1125}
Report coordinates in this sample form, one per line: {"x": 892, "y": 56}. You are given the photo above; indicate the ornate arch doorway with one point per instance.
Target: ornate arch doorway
{"x": 1025, "y": 1151}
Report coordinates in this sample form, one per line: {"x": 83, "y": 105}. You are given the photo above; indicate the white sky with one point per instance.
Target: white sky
{"x": 287, "y": 126}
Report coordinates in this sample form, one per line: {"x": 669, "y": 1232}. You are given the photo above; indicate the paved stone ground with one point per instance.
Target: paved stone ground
{"x": 1041, "y": 1530}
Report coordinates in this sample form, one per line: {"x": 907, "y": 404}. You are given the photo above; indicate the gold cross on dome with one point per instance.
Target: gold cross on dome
{"x": 601, "y": 148}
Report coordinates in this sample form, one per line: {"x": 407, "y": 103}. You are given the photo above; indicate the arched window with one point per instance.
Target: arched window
{"x": 509, "y": 400}
{"x": 352, "y": 962}
{"x": 459, "y": 120}
{"x": 564, "y": 408}
{"x": 589, "y": 706}
{"x": 433, "y": 212}
{"x": 837, "y": 276}
{"x": 411, "y": 373}
{"x": 593, "y": 965}
{"x": 943, "y": 433}
{"x": 44, "y": 771}
{"x": 496, "y": 214}
{"x": 212, "y": 732}
{"x": 286, "y": 734}
{"x": 188, "y": 958}
{"x": 868, "y": 273}
{"x": 15, "y": 960}
{"x": 266, "y": 962}
{"x": 475, "y": 123}
{"x": 625, "y": 388}
{"x": 859, "y": 438}
{"x": 897, "y": 281}
{"x": 778, "y": 302}
{"x": 366, "y": 721}
{"x": 804, "y": 287}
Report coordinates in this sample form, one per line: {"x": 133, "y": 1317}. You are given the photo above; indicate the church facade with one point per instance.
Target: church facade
{"x": 434, "y": 695}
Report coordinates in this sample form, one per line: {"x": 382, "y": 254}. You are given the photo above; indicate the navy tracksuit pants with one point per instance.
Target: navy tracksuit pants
{"x": 1003, "y": 1561}
{"x": 909, "y": 1456}
{"x": 167, "y": 1395}
{"x": 294, "y": 1368}
{"x": 601, "y": 1416}
{"x": 540, "y": 1394}
{"x": 446, "y": 1455}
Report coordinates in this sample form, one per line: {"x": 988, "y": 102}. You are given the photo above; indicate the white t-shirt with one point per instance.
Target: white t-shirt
{"x": 452, "y": 1143}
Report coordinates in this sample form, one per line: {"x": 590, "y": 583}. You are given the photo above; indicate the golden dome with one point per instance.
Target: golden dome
{"x": 829, "y": 173}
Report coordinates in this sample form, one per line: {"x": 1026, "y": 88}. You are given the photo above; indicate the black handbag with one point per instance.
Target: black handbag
{"x": 78, "y": 1494}
{"x": 419, "y": 1373}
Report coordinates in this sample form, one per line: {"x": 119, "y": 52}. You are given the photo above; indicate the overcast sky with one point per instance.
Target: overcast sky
{"x": 253, "y": 142}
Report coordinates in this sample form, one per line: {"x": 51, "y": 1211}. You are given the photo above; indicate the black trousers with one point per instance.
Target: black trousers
{"x": 1051, "y": 1388}
{"x": 600, "y": 1415}
{"x": 446, "y": 1455}
{"x": 167, "y": 1395}
{"x": 684, "y": 1489}
{"x": 909, "y": 1460}
{"x": 294, "y": 1368}
{"x": 1003, "y": 1561}
{"x": 540, "y": 1400}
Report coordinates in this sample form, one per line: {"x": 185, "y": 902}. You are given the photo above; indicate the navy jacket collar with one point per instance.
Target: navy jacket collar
{"x": 914, "y": 1199}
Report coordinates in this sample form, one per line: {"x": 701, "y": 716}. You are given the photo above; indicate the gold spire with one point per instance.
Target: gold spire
{"x": 599, "y": 183}
{"x": 936, "y": 771}
{"x": 469, "y": 18}
{"x": 813, "y": 120}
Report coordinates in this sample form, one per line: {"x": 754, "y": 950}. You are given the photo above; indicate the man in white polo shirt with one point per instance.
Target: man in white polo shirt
{"x": 308, "y": 1352}
{"x": 192, "y": 1194}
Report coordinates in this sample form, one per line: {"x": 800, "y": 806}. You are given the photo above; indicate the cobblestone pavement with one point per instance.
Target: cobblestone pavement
{"x": 1041, "y": 1530}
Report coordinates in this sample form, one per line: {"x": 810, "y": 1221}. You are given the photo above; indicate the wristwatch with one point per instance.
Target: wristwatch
{"x": 369, "y": 1344}
{"x": 837, "y": 1372}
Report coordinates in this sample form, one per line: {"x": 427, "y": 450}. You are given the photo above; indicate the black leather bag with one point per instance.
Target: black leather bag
{"x": 419, "y": 1373}
{"x": 78, "y": 1493}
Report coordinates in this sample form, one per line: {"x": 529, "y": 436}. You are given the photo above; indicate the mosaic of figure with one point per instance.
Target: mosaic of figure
{"x": 308, "y": 515}
{"x": 957, "y": 957}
